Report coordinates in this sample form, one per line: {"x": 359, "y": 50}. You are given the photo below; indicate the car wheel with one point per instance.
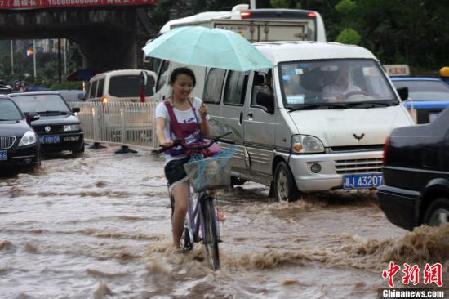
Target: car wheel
{"x": 438, "y": 212}
{"x": 80, "y": 151}
{"x": 35, "y": 164}
{"x": 284, "y": 184}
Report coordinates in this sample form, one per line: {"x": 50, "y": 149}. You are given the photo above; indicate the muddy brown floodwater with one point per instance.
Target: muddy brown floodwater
{"x": 98, "y": 227}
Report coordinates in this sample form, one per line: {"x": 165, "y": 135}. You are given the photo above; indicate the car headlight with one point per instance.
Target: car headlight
{"x": 305, "y": 144}
{"x": 71, "y": 128}
{"x": 28, "y": 138}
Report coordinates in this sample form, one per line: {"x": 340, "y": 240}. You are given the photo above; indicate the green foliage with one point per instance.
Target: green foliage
{"x": 161, "y": 12}
{"x": 66, "y": 85}
{"x": 346, "y": 7}
{"x": 47, "y": 66}
{"x": 280, "y": 3}
{"x": 412, "y": 32}
{"x": 349, "y": 36}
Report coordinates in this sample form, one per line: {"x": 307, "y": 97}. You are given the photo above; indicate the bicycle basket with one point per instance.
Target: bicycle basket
{"x": 210, "y": 173}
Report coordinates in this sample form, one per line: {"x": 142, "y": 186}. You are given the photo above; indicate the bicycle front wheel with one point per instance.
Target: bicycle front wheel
{"x": 210, "y": 238}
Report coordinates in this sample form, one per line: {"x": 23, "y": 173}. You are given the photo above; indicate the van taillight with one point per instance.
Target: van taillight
{"x": 245, "y": 14}
{"x": 386, "y": 150}
{"x": 312, "y": 14}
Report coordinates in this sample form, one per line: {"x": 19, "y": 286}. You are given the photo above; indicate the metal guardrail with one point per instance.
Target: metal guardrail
{"x": 126, "y": 123}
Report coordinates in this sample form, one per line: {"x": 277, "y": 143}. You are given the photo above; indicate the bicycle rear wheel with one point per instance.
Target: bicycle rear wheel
{"x": 210, "y": 238}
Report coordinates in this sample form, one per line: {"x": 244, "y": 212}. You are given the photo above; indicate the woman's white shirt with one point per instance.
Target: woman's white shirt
{"x": 182, "y": 116}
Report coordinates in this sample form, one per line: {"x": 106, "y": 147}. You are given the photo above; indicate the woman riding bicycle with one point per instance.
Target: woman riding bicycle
{"x": 191, "y": 117}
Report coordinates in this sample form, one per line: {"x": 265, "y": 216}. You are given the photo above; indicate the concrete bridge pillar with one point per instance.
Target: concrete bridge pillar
{"x": 103, "y": 51}
{"x": 106, "y": 36}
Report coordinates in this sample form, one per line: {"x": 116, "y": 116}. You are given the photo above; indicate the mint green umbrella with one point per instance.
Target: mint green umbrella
{"x": 201, "y": 46}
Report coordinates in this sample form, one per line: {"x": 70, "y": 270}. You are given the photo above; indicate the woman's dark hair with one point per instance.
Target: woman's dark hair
{"x": 182, "y": 71}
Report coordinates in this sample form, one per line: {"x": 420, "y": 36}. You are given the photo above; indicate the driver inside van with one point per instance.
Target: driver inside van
{"x": 262, "y": 87}
{"x": 341, "y": 87}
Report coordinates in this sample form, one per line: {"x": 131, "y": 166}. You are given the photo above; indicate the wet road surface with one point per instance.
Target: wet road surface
{"x": 98, "y": 227}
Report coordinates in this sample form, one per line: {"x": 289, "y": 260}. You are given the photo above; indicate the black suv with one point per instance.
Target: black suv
{"x": 416, "y": 174}
{"x": 19, "y": 145}
{"x": 58, "y": 128}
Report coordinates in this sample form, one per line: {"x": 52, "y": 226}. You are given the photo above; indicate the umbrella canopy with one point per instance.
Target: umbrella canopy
{"x": 201, "y": 46}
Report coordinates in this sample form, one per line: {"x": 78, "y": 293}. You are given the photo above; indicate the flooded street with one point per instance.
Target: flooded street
{"x": 98, "y": 227}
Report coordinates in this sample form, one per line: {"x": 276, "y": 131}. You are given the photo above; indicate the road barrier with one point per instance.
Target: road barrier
{"x": 126, "y": 123}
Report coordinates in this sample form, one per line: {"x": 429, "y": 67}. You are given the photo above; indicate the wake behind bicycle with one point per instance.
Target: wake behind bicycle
{"x": 204, "y": 174}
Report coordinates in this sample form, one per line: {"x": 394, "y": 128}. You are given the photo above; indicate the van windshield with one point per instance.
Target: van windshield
{"x": 342, "y": 83}
{"x": 129, "y": 86}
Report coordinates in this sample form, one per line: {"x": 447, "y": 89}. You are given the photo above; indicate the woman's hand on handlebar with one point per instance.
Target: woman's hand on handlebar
{"x": 164, "y": 146}
{"x": 166, "y": 143}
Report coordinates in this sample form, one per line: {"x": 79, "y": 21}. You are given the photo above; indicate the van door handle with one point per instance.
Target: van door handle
{"x": 250, "y": 115}
{"x": 240, "y": 117}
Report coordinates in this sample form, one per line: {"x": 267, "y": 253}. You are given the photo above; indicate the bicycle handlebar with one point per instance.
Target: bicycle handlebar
{"x": 178, "y": 142}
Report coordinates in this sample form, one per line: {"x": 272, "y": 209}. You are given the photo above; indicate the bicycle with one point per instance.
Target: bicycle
{"x": 205, "y": 174}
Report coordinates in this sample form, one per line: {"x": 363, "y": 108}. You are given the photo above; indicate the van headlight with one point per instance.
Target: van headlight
{"x": 306, "y": 144}
{"x": 72, "y": 128}
{"x": 28, "y": 138}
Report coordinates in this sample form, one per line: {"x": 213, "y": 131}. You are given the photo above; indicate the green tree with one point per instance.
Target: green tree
{"x": 280, "y": 3}
{"x": 346, "y": 7}
{"x": 412, "y": 32}
{"x": 349, "y": 36}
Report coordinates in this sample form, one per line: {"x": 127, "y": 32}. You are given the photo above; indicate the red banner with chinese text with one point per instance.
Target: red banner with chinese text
{"x": 38, "y": 4}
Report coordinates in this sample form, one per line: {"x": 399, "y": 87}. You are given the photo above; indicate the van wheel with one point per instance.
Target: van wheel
{"x": 284, "y": 185}
{"x": 237, "y": 181}
{"x": 438, "y": 212}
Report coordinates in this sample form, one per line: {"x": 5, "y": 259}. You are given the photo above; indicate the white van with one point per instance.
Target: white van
{"x": 292, "y": 136}
{"x": 121, "y": 85}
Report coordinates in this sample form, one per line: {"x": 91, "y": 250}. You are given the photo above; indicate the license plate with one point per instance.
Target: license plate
{"x": 3, "y": 155}
{"x": 71, "y": 138}
{"x": 49, "y": 139}
{"x": 362, "y": 181}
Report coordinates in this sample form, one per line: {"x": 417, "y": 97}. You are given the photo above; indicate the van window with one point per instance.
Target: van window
{"x": 162, "y": 77}
{"x": 154, "y": 63}
{"x": 214, "y": 85}
{"x": 87, "y": 89}
{"x": 92, "y": 89}
{"x": 235, "y": 88}
{"x": 262, "y": 85}
{"x": 129, "y": 85}
{"x": 100, "y": 88}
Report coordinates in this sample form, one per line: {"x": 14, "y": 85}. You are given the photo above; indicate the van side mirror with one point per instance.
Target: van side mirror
{"x": 265, "y": 100}
{"x": 403, "y": 93}
{"x": 76, "y": 110}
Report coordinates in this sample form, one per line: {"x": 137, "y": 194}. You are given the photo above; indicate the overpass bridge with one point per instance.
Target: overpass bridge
{"x": 105, "y": 30}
